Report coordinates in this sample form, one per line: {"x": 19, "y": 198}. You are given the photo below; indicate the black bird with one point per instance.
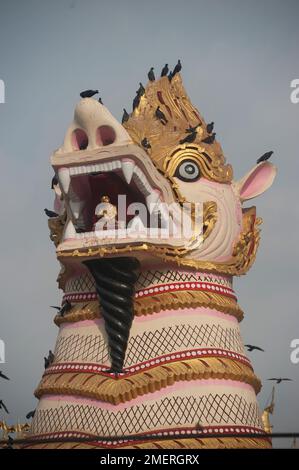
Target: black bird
{"x": 2, "y": 405}
{"x": 189, "y": 138}
{"x": 88, "y": 93}
{"x": 145, "y": 143}
{"x": 100, "y": 100}
{"x": 141, "y": 89}
{"x": 54, "y": 182}
{"x": 125, "y": 117}
{"x": 264, "y": 157}
{"x": 50, "y": 214}
{"x": 210, "y": 139}
{"x": 210, "y": 127}
{"x": 161, "y": 116}
{"x": 10, "y": 442}
{"x": 164, "y": 70}
{"x": 193, "y": 129}
{"x": 65, "y": 308}
{"x": 250, "y": 348}
{"x": 136, "y": 101}
{"x": 30, "y": 414}
{"x": 48, "y": 360}
{"x": 177, "y": 68}
{"x": 280, "y": 379}
{"x": 151, "y": 75}
{"x": 170, "y": 75}
{"x": 3, "y": 376}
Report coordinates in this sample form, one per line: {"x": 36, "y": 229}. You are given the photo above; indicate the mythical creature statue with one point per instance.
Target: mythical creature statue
{"x": 149, "y": 352}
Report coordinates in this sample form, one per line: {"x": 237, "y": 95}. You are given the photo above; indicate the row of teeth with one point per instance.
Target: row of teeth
{"x": 127, "y": 168}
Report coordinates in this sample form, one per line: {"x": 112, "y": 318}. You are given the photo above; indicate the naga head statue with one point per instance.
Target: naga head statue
{"x": 134, "y": 188}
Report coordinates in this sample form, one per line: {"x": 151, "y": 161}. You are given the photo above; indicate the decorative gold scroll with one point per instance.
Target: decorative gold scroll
{"x": 123, "y": 389}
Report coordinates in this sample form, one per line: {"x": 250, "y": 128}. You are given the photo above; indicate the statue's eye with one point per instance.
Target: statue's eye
{"x": 188, "y": 171}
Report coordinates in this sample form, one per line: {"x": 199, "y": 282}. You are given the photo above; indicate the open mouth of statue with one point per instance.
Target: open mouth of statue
{"x": 113, "y": 200}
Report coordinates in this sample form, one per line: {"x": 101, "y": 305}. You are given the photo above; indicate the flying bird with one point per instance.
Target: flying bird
{"x": 50, "y": 214}
{"x": 125, "y": 117}
{"x": 177, "y": 68}
{"x": 30, "y": 414}
{"x": 145, "y": 143}
{"x": 151, "y": 75}
{"x": 189, "y": 138}
{"x": 2, "y": 405}
{"x": 164, "y": 70}
{"x": 280, "y": 379}
{"x": 3, "y": 376}
{"x": 210, "y": 127}
{"x": 250, "y": 348}
{"x": 264, "y": 157}
{"x": 210, "y": 139}
{"x": 88, "y": 93}
{"x": 161, "y": 116}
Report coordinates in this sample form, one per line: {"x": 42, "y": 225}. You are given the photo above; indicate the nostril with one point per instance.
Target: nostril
{"x": 105, "y": 135}
{"x": 79, "y": 139}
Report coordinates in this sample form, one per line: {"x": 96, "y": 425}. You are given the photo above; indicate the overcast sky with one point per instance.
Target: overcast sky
{"x": 239, "y": 58}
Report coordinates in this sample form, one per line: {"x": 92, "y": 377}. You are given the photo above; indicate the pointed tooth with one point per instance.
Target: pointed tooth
{"x": 76, "y": 208}
{"x": 70, "y": 231}
{"x": 64, "y": 179}
{"x": 128, "y": 169}
{"x": 151, "y": 200}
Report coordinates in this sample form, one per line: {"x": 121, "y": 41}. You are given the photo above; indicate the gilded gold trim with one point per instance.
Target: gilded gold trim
{"x": 244, "y": 252}
{"x": 121, "y": 390}
{"x": 154, "y": 304}
{"x": 192, "y": 443}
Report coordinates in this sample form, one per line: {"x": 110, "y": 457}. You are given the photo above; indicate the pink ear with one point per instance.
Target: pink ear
{"x": 258, "y": 180}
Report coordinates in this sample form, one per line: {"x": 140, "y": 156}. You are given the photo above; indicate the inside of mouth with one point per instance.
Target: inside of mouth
{"x": 91, "y": 188}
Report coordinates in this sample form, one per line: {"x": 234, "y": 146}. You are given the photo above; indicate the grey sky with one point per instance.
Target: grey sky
{"x": 239, "y": 58}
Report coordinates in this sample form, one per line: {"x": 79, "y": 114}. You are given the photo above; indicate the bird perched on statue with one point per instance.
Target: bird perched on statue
{"x": 30, "y": 414}
{"x": 250, "y": 348}
{"x": 3, "y": 376}
{"x": 210, "y": 127}
{"x": 151, "y": 75}
{"x": 177, "y": 68}
{"x": 164, "y": 71}
{"x": 125, "y": 117}
{"x": 145, "y": 143}
{"x": 88, "y": 93}
{"x": 100, "y": 100}
{"x": 170, "y": 75}
{"x": 193, "y": 129}
{"x": 280, "y": 379}
{"x": 141, "y": 89}
{"x": 189, "y": 138}
{"x": 161, "y": 116}
{"x": 64, "y": 309}
{"x": 136, "y": 101}
{"x": 49, "y": 359}
{"x": 265, "y": 157}
{"x": 210, "y": 139}
{"x": 2, "y": 405}
{"x": 50, "y": 214}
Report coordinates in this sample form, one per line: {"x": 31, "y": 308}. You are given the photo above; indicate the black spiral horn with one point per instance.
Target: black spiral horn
{"x": 115, "y": 280}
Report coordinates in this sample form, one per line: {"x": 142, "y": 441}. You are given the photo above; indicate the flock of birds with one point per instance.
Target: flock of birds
{"x": 191, "y": 131}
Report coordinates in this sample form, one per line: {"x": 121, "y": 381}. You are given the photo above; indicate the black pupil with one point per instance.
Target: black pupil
{"x": 190, "y": 169}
